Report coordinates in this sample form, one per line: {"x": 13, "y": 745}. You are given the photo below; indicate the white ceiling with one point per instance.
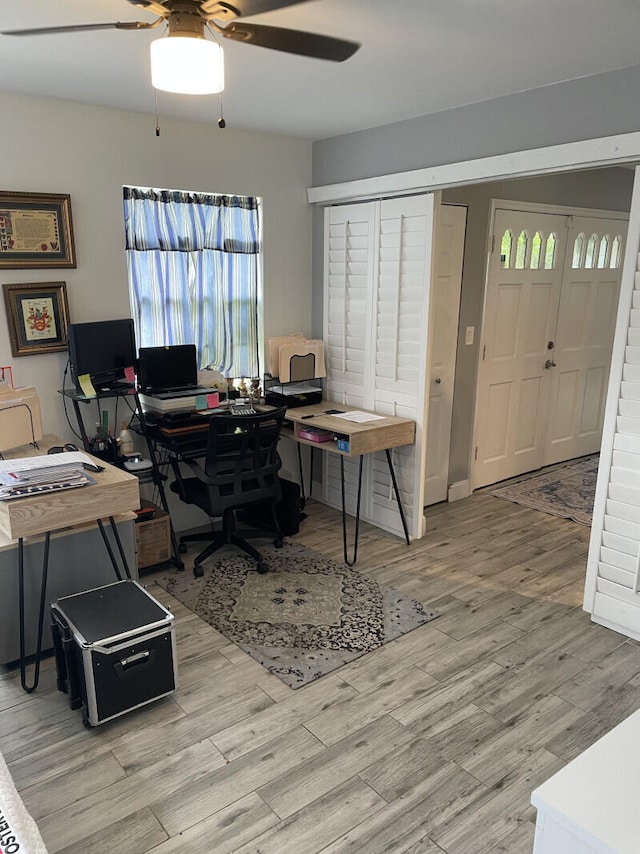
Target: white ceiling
{"x": 417, "y": 57}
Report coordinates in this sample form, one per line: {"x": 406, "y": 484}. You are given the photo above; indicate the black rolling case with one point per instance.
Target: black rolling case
{"x": 114, "y": 648}
{"x": 288, "y": 510}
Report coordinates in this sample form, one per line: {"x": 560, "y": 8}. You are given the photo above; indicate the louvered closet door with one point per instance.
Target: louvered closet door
{"x": 350, "y": 262}
{"x": 392, "y": 342}
{"x": 350, "y": 247}
{"x": 612, "y": 592}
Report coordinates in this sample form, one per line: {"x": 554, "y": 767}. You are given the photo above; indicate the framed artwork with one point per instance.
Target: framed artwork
{"x": 35, "y": 230}
{"x": 38, "y": 317}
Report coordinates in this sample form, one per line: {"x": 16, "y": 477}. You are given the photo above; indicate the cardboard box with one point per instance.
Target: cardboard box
{"x": 153, "y": 538}
{"x": 20, "y": 418}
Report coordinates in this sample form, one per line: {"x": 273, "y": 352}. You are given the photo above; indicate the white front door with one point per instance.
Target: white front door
{"x": 586, "y": 324}
{"x": 449, "y": 236}
{"x": 521, "y": 309}
{"x": 550, "y": 306}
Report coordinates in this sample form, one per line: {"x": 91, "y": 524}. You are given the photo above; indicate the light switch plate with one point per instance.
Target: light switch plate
{"x": 468, "y": 337}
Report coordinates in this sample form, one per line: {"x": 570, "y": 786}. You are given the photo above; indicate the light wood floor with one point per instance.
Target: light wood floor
{"x": 431, "y": 744}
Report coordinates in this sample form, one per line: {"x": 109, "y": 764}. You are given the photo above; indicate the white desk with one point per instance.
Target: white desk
{"x": 591, "y": 805}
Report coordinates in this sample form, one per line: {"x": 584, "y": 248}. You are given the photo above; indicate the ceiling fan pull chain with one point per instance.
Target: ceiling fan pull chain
{"x": 221, "y": 122}
{"x": 157, "y": 118}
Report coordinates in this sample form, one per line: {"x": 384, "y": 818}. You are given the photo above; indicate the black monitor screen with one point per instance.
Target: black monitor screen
{"x": 168, "y": 368}
{"x": 103, "y": 349}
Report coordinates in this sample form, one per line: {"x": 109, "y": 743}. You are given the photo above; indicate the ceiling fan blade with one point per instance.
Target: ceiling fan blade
{"x": 292, "y": 41}
{"x": 242, "y": 8}
{"x": 78, "y": 28}
{"x": 154, "y": 6}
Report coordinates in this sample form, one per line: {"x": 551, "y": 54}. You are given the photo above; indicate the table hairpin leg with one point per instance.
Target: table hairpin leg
{"x": 43, "y": 595}
{"x": 395, "y": 489}
{"x": 116, "y": 535}
{"x": 302, "y": 490}
{"x": 344, "y": 514}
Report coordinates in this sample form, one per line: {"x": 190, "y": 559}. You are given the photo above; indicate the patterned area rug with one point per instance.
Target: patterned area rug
{"x": 303, "y": 619}
{"x": 567, "y": 491}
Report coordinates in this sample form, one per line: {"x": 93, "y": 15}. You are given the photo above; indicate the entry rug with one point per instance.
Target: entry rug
{"x": 304, "y": 618}
{"x": 567, "y": 491}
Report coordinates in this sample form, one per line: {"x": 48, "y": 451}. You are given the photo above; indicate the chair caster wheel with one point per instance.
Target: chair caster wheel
{"x": 262, "y": 568}
{"x": 198, "y": 571}
{"x": 182, "y": 548}
{"x": 278, "y": 542}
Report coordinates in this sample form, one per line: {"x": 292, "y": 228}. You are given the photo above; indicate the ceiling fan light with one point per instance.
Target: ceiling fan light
{"x": 187, "y": 65}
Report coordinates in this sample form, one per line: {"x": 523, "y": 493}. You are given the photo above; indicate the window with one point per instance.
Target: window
{"x": 614, "y": 261}
{"x": 578, "y": 249}
{"x": 603, "y": 251}
{"x": 536, "y": 248}
{"x": 505, "y": 250}
{"x": 521, "y": 250}
{"x": 194, "y": 262}
{"x": 550, "y": 252}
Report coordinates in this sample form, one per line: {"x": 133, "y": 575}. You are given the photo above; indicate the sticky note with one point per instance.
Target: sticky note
{"x": 86, "y": 385}
{"x": 213, "y": 400}
{"x": 201, "y": 401}
{"x": 130, "y": 375}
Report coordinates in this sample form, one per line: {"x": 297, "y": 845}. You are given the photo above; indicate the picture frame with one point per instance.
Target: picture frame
{"x": 37, "y": 317}
{"x": 36, "y": 230}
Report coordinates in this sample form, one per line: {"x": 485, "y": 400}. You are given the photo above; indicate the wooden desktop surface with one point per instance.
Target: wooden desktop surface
{"x": 391, "y": 431}
{"x": 114, "y": 493}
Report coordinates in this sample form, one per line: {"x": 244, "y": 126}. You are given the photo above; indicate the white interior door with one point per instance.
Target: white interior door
{"x": 449, "y": 237}
{"x": 521, "y": 310}
{"x": 584, "y": 337}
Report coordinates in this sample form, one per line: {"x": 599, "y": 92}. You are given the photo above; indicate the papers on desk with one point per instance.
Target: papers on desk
{"x": 358, "y": 417}
{"x": 29, "y": 476}
{"x": 291, "y": 389}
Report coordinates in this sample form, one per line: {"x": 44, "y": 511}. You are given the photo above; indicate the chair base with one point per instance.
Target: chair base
{"x": 229, "y": 536}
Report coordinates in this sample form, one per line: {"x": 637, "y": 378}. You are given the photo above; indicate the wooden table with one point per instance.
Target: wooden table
{"x": 114, "y": 492}
{"x": 352, "y": 439}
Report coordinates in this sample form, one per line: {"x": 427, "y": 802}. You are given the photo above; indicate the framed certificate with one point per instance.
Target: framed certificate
{"x": 35, "y": 230}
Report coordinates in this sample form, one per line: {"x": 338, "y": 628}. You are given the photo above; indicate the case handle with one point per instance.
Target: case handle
{"x": 132, "y": 660}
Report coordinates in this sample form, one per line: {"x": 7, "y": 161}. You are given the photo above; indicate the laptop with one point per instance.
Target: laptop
{"x": 169, "y": 372}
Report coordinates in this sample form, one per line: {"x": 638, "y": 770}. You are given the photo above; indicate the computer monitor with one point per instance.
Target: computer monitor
{"x": 170, "y": 368}
{"x": 104, "y": 349}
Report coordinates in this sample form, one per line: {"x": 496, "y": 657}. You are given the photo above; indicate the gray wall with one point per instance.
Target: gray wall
{"x": 597, "y": 106}
{"x": 588, "y": 108}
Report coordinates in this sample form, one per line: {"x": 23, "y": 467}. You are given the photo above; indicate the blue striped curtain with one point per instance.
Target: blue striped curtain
{"x": 193, "y": 261}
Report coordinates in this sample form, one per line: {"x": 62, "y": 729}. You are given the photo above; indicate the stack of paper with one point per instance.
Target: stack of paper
{"x": 31, "y": 476}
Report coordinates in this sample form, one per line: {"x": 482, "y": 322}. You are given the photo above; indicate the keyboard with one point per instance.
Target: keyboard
{"x": 241, "y": 409}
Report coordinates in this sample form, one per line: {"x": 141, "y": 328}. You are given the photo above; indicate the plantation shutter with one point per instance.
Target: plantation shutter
{"x": 377, "y": 267}
{"x": 349, "y": 264}
{"x": 612, "y": 592}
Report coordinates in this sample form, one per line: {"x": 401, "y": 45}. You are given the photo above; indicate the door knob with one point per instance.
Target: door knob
{"x": 437, "y": 380}
{"x": 549, "y": 364}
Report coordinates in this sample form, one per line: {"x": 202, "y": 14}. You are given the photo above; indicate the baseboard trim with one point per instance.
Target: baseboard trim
{"x": 458, "y": 490}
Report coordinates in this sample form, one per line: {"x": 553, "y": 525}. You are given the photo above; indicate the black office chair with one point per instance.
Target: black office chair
{"x": 241, "y": 468}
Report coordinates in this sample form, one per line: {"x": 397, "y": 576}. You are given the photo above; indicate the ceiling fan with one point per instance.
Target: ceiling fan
{"x": 188, "y": 18}
{"x": 186, "y": 62}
